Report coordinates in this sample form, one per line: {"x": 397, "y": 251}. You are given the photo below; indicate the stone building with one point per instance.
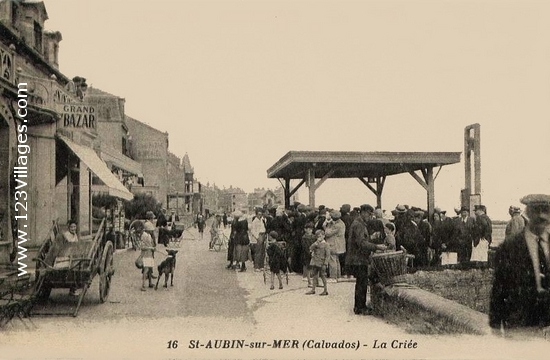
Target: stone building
{"x": 149, "y": 147}
{"x": 280, "y": 196}
{"x": 211, "y": 198}
{"x": 176, "y": 184}
{"x": 115, "y": 138}
{"x": 232, "y": 199}
{"x": 260, "y": 197}
{"x": 48, "y": 134}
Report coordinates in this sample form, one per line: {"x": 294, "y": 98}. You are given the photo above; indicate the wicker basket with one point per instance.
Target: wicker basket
{"x": 389, "y": 265}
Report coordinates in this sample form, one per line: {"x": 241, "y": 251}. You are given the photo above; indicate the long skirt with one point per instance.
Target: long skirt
{"x": 241, "y": 253}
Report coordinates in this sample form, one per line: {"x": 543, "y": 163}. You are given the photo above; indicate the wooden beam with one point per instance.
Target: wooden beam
{"x": 293, "y": 191}
{"x": 324, "y": 178}
{"x": 419, "y": 179}
{"x": 369, "y": 186}
{"x": 438, "y": 170}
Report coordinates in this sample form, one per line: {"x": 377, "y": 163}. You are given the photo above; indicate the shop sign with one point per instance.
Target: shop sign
{"x": 78, "y": 116}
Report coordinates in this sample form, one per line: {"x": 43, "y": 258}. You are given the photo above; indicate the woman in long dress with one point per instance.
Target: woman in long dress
{"x": 239, "y": 234}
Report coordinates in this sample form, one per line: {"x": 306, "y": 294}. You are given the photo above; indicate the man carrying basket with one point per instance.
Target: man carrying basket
{"x": 360, "y": 249}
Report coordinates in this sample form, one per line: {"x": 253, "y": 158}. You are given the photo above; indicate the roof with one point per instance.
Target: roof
{"x": 346, "y": 164}
{"x": 187, "y": 164}
{"x": 98, "y": 92}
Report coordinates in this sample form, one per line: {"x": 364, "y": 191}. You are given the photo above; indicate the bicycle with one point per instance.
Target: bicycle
{"x": 221, "y": 241}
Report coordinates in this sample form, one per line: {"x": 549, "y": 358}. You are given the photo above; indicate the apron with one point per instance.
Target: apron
{"x": 480, "y": 252}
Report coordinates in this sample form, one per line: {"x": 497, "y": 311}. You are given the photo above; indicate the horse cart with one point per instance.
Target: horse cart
{"x": 73, "y": 265}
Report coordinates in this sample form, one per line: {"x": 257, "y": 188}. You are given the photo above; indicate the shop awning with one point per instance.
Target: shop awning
{"x": 99, "y": 168}
{"x": 111, "y": 155}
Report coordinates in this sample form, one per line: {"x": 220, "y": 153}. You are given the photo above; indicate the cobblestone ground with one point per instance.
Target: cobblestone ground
{"x": 208, "y": 302}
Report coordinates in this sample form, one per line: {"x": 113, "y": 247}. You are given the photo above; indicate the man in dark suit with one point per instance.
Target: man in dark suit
{"x": 357, "y": 258}
{"x": 464, "y": 227}
{"x": 521, "y": 286}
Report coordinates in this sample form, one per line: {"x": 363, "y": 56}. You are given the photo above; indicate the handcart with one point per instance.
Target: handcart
{"x": 73, "y": 265}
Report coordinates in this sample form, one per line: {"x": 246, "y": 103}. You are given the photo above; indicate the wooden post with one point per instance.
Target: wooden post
{"x": 311, "y": 186}
{"x": 286, "y": 190}
{"x": 431, "y": 192}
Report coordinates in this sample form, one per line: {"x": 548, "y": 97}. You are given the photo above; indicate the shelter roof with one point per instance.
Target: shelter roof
{"x": 347, "y": 164}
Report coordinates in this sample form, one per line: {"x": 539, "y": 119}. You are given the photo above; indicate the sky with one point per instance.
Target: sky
{"x": 238, "y": 84}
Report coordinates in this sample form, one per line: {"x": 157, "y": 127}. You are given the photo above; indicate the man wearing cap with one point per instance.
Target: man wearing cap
{"x": 357, "y": 258}
{"x": 516, "y": 223}
{"x": 521, "y": 287}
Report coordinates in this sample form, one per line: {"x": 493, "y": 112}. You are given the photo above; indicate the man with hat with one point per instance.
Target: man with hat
{"x": 482, "y": 235}
{"x": 335, "y": 236}
{"x": 516, "y": 223}
{"x": 521, "y": 286}
{"x": 410, "y": 237}
{"x": 464, "y": 227}
{"x": 399, "y": 214}
{"x": 357, "y": 258}
{"x": 442, "y": 230}
{"x": 346, "y": 217}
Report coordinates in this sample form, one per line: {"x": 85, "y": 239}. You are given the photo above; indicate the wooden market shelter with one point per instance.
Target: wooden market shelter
{"x": 371, "y": 168}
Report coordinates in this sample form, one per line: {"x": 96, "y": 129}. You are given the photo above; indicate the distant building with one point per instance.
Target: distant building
{"x": 149, "y": 147}
{"x": 280, "y": 196}
{"x": 232, "y": 199}
{"x": 260, "y": 197}
{"x": 211, "y": 198}
{"x": 115, "y": 138}
{"x": 184, "y": 192}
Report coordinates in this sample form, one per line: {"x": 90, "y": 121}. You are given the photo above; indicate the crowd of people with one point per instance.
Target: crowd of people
{"x": 333, "y": 245}
{"x": 462, "y": 239}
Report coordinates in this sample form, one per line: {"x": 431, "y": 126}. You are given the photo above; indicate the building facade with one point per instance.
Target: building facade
{"x": 115, "y": 140}
{"x": 149, "y": 147}
{"x": 48, "y": 135}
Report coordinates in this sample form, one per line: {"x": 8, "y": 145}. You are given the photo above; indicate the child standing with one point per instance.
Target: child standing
{"x": 307, "y": 240}
{"x": 276, "y": 258}
{"x": 320, "y": 254}
{"x": 389, "y": 241}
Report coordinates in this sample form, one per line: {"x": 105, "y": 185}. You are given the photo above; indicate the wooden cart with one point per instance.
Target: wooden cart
{"x": 74, "y": 265}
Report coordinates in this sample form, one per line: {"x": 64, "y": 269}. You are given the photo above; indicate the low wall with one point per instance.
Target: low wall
{"x": 420, "y": 311}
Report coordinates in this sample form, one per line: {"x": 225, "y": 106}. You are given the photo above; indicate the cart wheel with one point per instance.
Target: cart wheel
{"x": 106, "y": 271}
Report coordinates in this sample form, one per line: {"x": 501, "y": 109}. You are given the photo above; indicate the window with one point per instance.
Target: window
{"x": 13, "y": 13}
{"x": 124, "y": 147}
{"x": 37, "y": 36}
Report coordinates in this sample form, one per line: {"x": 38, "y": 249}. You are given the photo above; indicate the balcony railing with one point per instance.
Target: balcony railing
{"x": 47, "y": 93}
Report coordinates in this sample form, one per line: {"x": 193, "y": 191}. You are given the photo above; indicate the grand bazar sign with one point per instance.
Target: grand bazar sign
{"x": 79, "y": 116}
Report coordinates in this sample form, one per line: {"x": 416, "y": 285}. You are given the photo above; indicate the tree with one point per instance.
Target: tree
{"x": 139, "y": 205}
